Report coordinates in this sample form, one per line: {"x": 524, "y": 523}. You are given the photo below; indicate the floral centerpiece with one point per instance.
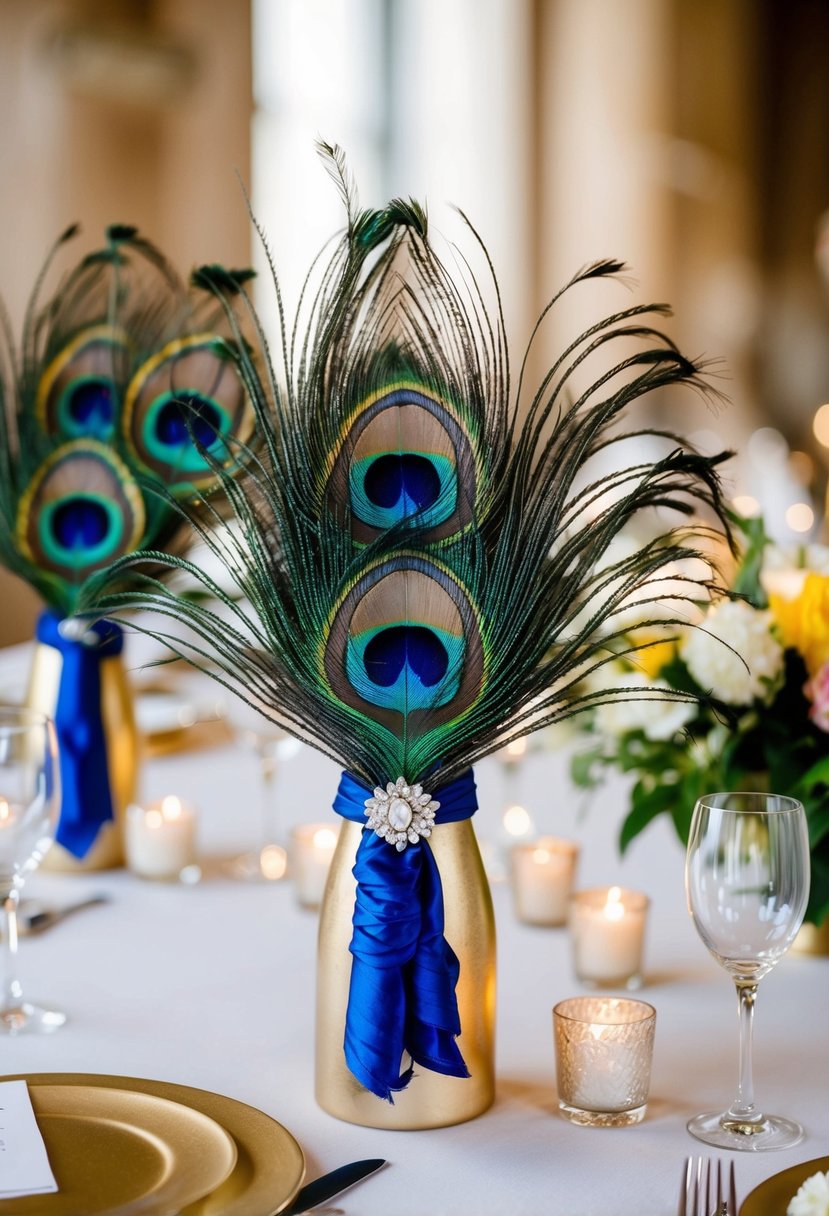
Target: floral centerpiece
{"x": 421, "y": 544}
{"x": 760, "y": 667}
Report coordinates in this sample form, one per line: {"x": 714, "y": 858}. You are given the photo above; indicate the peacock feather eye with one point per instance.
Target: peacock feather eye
{"x": 78, "y": 394}
{"x": 403, "y": 455}
{"x": 182, "y": 409}
{"x": 80, "y": 511}
{"x": 404, "y": 642}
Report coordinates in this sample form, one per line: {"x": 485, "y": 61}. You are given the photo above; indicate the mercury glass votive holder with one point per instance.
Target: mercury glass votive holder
{"x": 604, "y": 1048}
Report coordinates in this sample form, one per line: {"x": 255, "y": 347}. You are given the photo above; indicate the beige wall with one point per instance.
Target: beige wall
{"x": 83, "y": 153}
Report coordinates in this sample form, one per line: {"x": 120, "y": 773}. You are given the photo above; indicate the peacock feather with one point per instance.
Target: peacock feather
{"x": 424, "y": 552}
{"x": 124, "y": 382}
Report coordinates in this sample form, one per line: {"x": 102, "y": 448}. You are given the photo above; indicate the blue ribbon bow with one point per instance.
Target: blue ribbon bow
{"x": 403, "y": 975}
{"x": 86, "y": 797}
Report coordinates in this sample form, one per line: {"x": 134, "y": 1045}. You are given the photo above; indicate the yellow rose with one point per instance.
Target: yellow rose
{"x": 804, "y": 621}
{"x": 657, "y": 651}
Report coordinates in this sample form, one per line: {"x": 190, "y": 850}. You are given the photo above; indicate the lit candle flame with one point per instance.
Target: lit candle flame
{"x": 324, "y": 839}
{"x": 171, "y": 807}
{"x": 541, "y": 856}
{"x": 614, "y": 909}
{"x": 517, "y": 821}
{"x": 273, "y": 862}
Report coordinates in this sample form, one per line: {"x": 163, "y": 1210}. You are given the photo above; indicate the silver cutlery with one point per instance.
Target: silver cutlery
{"x": 33, "y": 917}
{"x": 702, "y": 1187}
{"x": 329, "y": 1185}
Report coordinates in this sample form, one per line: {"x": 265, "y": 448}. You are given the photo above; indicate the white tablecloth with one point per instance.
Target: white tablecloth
{"x": 213, "y": 986}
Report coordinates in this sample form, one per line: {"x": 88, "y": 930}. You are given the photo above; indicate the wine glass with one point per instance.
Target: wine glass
{"x": 747, "y": 883}
{"x": 272, "y": 746}
{"x": 29, "y": 804}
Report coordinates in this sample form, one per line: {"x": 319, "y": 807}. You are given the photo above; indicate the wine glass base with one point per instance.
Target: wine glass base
{"x": 268, "y": 864}
{"x": 770, "y": 1132}
{"x": 26, "y": 1018}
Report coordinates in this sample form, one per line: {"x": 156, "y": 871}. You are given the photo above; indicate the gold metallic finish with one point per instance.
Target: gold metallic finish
{"x": 776, "y": 1193}
{"x": 109, "y": 1148}
{"x": 122, "y": 753}
{"x": 812, "y": 939}
{"x": 269, "y": 1168}
{"x": 430, "y": 1100}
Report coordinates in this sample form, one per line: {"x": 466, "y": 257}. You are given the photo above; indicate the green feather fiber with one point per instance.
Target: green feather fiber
{"x": 127, "y": 284}
{"x": 535, "y": 560}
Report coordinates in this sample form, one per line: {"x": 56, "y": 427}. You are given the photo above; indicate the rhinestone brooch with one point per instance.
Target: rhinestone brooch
{"x": 401, "y": 813}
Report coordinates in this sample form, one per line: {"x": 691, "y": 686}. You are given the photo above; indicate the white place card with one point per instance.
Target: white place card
{"x": 24, "y": 1166}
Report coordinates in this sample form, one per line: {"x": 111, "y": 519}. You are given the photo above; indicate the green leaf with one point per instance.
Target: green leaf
{"x": 747, "y": 582}
{"x": 817, "y": 815}
{"x": 647, "y": 801}
{"x": 818, "y": 907}
{"x": 586, "y": 766}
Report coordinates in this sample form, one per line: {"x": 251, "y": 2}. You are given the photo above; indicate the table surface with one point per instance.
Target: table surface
{"x": 212, "y": 985}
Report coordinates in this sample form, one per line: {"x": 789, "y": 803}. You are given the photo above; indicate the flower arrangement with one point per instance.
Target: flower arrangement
{"x": 759, "y": 663}
{"x": 812, "y": 1199}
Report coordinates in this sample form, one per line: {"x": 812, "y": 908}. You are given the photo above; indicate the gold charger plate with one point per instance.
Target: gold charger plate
{"x": 772, "y": 1197}
{"x": 116, "y": 1151}
{"x": 269, "y": 1165}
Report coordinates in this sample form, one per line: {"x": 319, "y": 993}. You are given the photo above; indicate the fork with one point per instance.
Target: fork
{"x": 696, "y": 1195}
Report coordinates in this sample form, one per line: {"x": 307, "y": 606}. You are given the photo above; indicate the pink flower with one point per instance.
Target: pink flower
{"x": 817, "y": 690}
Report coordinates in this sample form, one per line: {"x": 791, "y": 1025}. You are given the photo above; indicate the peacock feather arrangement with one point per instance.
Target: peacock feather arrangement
{"x": 123, "y": 382}
{"x": 425, "y": 559}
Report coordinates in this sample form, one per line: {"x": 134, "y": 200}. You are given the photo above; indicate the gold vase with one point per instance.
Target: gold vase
{"x": 812, "y": 939}
{"x": 122, "y": 753}
{"x": 430, "y": 1100}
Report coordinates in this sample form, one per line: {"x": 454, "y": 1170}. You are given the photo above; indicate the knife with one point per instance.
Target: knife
{"x": 332, "y": 1184}
{"x": 34, "y": 917}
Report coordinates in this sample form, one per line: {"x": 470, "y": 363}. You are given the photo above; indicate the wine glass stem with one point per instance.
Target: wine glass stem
{"x": 12, "y": 991}
{"x": 743, "y": 1108}
{"x": 270, "y": 817}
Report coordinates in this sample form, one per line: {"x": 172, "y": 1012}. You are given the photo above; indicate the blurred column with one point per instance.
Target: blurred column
{"x": 605, "y": 115}
{"x": 712, "y": 167}
{"x": 204, "y": 140}
{"x": 318, "y": 74}
{"x": 462, "y": 130}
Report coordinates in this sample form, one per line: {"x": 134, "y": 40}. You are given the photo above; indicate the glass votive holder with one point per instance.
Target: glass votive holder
{"x": 160, "y": 840}
{"x": 607, "y": 928}
{"x": 604, "y": 1048}
{"x": 312, "y": 848}
{"x": 542, "y": 879}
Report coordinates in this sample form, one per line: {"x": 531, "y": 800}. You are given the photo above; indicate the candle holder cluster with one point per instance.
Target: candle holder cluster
{"x": 161, "y": 845}
{"x": 603, "y": 1043}
{"x": 607, "y": 924}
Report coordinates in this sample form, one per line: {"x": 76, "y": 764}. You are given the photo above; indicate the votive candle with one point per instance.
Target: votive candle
{"x": 312, "y": 848}
{"x": 542, "y": 879}
{"x": 161, "y": 838}
{"x": 607, "y": 925}
{"x": 604, "y": 1049}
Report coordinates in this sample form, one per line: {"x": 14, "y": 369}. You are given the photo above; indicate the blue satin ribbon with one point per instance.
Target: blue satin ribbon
{"x": 403, "y": 974}
{"x": 86, "y": 797}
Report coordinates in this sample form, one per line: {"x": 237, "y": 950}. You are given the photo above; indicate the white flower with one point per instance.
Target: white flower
{"x": 736, "y": 678}
{"x": 784, "y": 572}
{"x": 812, "y": 1199}
{"x": 657, "y": 717}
